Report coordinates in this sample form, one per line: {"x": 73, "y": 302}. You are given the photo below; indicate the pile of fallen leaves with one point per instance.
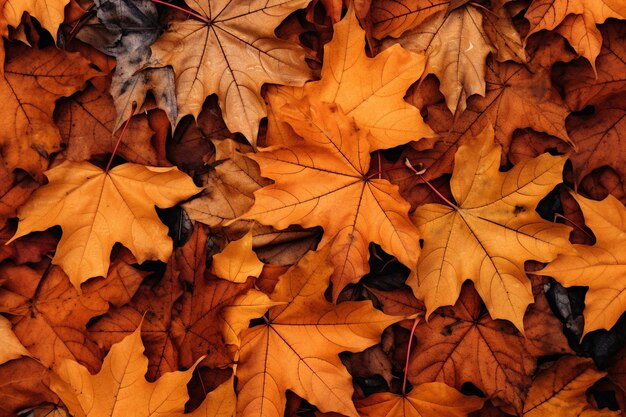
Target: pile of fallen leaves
{"x": 313, "y": 208}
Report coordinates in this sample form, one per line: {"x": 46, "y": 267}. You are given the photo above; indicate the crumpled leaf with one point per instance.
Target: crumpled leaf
{"x": 489, "y": 232}
{"x": 120, "y": 389}
{"x": 371, "y": 90}
{"x": 463, "y": 344}
{"x": 456, "y": 48}
{"x": 237, "y": 261}
{"x": 434, "y": 399}
{"x": 599, "y": 267}
{"x": 131, "y": 48}
{"x": 50, "y": 13}
{"x": 11, "y": 348}
{"x": 576, "y": 21}
{"x": 33, "y": 80}
{"x": 230, "y": 49}
{"x": 95, "y": 209}
{"x": 560, "y": 390}
{"x": 50, "y": 316}
{"x": 87, "y": 123}
{"x": 354, "y": 208}
{"x": 298, "y": 346}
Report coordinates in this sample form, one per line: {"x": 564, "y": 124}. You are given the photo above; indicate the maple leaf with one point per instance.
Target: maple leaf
{"x": 463, "y": 344}
{"x": 46, "y": 311}
{"x": 95, "y": 209}
{"x": 599, "y": 138}
{"x": 393, "y": 18}
{"x": 561, "y": 389}
{"x": 111, "y": 34}
{"x": 153, "y": 306}
{"x": 583, "y": 87}
{"x": 87, "y": 123}
{"x": 515, "y": 98}
{"x": 599, "y": 267}
{"x": 50, "y": 13}
{"x": 298, "y": 346}
{"x": 229, "y": 48}
{"x": 23, "y": 384}
{"x": 229, "y": 189}
{"x": 354, "y": 208}
{"x": 33, "y": 80}
{"x": 576, "y": 21}
{"x": 11, "y": 347}
{"x": 370, "y": 90}
{"x": 237, "y": 261}
{"x": 120, "y": 389}
{"x": 434, "y": 399}
{"x": 490, "y": 231}
{"x": 457, "y": 49}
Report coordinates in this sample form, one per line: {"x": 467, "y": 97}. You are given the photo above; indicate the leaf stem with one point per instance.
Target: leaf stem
{"x": 573, "y": 223}
{"x": 419, "y": 174}
{"x": 119, "y": 139}
{"x": 173, "y": 6}
{"x": 408, "y": 355}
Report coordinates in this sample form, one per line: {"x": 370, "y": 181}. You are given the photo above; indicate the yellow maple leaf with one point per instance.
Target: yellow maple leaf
{"x": 50, "y": 13}
{"x": 601, "y": 266}
{"x": 490, "y": 232}
{"x": 120, "y": 388}
{"x": 298, "y": 346}
{"x": 237, "y": 261}
{"x": 95, "y": 209}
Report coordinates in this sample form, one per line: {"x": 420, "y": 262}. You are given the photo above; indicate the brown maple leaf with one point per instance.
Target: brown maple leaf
{"x": 456, "y": 47}
{"x": 489, "y": 232}
{"x": 23, "y": 383}
{"x": 87, "y": 122}
{"x": 560, "y": 390}
{"x": 95, "y": 209}
{"x": 515, "y": 99}
{"x": 463, "y": 344}
{"x": 33, "y": 80}
{"x": 229, "y": 49}
{"x": 582, "y": 86}
{"x": 576, "y": 21}
{"x": 50, "y": 316}
{"x": 353, "y": 207}
{"x": 298, "y": 346}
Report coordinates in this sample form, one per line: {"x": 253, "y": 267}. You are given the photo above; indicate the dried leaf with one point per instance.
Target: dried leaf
{"x": 120, "y": 208}
{"x": 490, "y": 231}
{"x": 298, "y": 346}
{"x": 239, "y": 54}
{"x": 336, "y": 153}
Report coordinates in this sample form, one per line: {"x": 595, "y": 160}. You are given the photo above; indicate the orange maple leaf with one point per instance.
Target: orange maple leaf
{"x": 298, "y": 346}
{"x": 353, "y": 207}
